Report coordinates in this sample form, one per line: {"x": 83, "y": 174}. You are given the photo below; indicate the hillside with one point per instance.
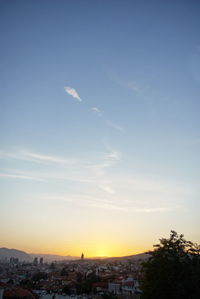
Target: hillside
{"x": 53, "y": 257}
{"x": 140, "y": 256}
{"x": 6, "y": 253}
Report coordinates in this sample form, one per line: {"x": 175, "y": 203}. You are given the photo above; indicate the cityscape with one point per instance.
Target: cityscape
{"x": 171, "y": 269}
{"x": 81, "y": 278}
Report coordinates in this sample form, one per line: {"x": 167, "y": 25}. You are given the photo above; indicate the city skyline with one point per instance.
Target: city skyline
{"x": 99, "y": 124}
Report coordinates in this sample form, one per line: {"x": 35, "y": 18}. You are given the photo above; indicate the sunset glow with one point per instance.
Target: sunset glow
{"x": 100, "y": 126}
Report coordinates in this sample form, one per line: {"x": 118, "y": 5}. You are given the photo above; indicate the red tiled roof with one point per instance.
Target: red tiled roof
{"x": 128, "y": 283}
{"x": 3, "y": 285}
{"x": 100, "y": 284}
{"x": 18, "y": 292}
{"x": 116, "y": 281}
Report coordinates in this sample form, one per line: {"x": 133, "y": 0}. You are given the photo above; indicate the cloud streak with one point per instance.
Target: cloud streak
{"x": 129, "y": 84}
{"x": 37, "y": 157}
{"x": 105, "y": 203}
{"x": 72, "y": 92}
{"x": 47, "y": 158}
{"x": 115, "y": 126}
{"x": 24, "y": 177}
{"x": 107, "y": 189}
{"x": 97, "y": 111}
{"x": 96, "y": 180}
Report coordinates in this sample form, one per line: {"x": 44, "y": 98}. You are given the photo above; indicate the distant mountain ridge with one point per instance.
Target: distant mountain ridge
{"x": 139, "y": 256}
{"x": 53, "y": 257}
{"x": 6, "y": 253}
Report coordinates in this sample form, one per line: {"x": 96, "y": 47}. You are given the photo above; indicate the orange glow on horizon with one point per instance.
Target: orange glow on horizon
{"x": 92, "y": 246}
{"x": 97, "y": 251}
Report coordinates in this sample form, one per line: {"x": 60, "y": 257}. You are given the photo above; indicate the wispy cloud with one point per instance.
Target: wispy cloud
{"x": 16, "y": 176}
{"x": 153, "y": 210}
{"x": 95, "y": 182}
{"x": 108, "y": 159}
{"x": 47, "y": 158}
{"x": 90, "y": 170}
{"x": 129, "y": 84}
{"x": 107, "y": 189}
{"x": 37, "y": 157}
{"x": 72, "y": 92}
{"x": 107, "y": 206}
{"x": 115, "y": 126}
{"x": 110, "y": 206}
{"x": 109, "y": 203}
{"x": 97, "y": 111}
{"x": 113, "y": 155}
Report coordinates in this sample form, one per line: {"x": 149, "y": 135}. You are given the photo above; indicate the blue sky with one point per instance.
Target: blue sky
{"x": 99, "y": 124}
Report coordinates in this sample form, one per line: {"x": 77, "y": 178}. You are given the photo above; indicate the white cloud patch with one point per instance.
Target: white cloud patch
{"x": 72, "y": 92}
{"x": 97, "y": 111}
{"x": 113, "y": 155}
{"x": 107, "y": 189}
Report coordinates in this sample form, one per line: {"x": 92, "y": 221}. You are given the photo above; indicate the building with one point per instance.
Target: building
{"x": 35, "y": 262}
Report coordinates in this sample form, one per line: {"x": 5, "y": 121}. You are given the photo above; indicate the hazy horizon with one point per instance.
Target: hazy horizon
{"x": 100, "y": 126}
{"x": 42, "y": 254}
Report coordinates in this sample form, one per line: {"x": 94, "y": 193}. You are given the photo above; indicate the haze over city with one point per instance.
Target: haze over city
{"x": 99, "y": 125}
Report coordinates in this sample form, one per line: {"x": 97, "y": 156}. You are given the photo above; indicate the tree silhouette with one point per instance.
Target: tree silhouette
{"x": 173, "y": 270}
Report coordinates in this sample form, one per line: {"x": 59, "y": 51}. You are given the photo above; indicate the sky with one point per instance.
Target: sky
{"x": 100, "y": 126}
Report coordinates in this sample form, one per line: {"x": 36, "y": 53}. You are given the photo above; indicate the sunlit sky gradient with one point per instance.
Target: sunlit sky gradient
{"x": 100, "y": 126}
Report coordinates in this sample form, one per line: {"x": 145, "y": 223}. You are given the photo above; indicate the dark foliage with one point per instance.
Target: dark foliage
{"x": 64, "y": 272}
{"x": 84, "y": 284}
{"x": 173, "y": 270}
{"x": 38, "y": 276}
{"x": 66, "y": 290}
{"x": 27, "y": 284}
{"x": 109, "y": 296}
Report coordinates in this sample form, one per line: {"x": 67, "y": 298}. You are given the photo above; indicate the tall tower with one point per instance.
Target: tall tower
{"x": 82, "y": 256}
{"x": 35, "y": 262}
